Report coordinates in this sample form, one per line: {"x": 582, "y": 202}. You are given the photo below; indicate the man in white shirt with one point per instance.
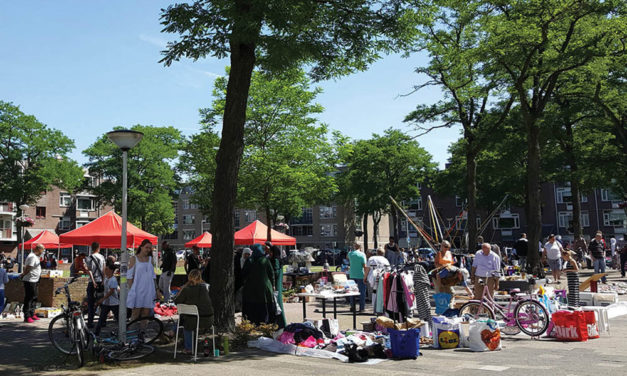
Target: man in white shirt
{"x": 486, "y": 262}
{"x": 95, "y": 265}
{"x": 30, "y": 277}
{"x": 553, "y": 255}
{"x": 375, "y": 262}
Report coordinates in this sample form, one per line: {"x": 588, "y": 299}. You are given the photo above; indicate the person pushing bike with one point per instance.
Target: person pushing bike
{"x": 483, "y": 266}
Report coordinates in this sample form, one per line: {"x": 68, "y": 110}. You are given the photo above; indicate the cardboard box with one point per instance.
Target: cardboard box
{"x": 586, "y": 298}
{"x": 48, "y": 312}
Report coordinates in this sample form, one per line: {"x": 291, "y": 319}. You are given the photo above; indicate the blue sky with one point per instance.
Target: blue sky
{"x": 86, "y": 66}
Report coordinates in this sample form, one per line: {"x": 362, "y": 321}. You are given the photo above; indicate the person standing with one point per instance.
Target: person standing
{"x": 192, "y": 261}
{"x": 392, "y": 252}
{"x": 522, "y": 246}
{"x": 485, "y": 264}
{"x": 572, "y": 277}
{"x": 110, "y": 302}
{"x": 141, "y": 278}
{"x": 357, "y": 260}
{"x": 30, "y": 277}
{"x": 95, "y": 264}
{"x": 275, "y": 261}
{"x": 597, "y": 252}
{"x": 443, "y": 258}
{"x": 614, "y": 254}
{"x": 553, "y": 255}
{"x": 257, "y": 295}
{"x": 4, "y": 278}
{"x": 168, "y": 267}
{"x": 623, "y": 259}
{"x": 580, "y": 246}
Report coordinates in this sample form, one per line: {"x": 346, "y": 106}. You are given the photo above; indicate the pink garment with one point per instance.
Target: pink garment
{"x": 392, "y": 304}
{"x": 309, "y": 342}
{"x": 409, "y": 296}
{"x": 286, "y": 337}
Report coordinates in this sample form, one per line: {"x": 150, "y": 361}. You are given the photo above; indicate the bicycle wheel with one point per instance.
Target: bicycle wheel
{"x": 79, "y": 342}
{"x": 532, "y": 318}
{"x": 150, "y": 329}
{"x": 476, "y": 310}
{"x": 60, "y": 335}
{"x": 131, "y": 352}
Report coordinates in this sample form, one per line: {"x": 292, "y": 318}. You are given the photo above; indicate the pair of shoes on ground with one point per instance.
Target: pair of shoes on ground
{"x": 32, "y": 319}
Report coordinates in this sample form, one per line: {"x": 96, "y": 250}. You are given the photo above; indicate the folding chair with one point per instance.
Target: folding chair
{"x": 191, "y": 310}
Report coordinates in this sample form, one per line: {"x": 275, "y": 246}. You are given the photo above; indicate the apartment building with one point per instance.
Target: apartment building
{"x": 57, "y": 211}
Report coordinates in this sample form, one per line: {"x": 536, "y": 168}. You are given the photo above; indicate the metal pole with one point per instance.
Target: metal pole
{"x": 21, "y": 264}
{"x": 124, "y": 254}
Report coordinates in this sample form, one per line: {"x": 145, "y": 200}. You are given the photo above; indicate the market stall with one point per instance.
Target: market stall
{"x": 257, "y": 232}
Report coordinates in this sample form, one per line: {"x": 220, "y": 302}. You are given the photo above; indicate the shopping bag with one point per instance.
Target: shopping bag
{"x": 446, "y": 333}
{"x": 570, "y": 326}
{"x": 405, "y": 343}
{"x": 591, "y": 323}
{"x": 442, "y": 302}
{"x": 484, "y": 335}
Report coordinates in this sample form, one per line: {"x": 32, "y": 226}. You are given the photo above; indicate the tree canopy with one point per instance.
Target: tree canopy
{"x": 152, "y": 180}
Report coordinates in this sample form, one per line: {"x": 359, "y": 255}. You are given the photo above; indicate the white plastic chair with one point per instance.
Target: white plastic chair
{"x": 191, "y": 310}
{"x": 603, "y": 322}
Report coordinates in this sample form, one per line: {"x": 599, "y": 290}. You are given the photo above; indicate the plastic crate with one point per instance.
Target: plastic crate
{"x": 405, "y": 344}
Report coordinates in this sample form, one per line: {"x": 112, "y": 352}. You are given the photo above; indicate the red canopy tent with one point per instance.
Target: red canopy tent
{"x": 203, "y": 241}
{"x": 107, "y": 230}
{"x": 257, "y": 232}
{"x": 45, "y": 238}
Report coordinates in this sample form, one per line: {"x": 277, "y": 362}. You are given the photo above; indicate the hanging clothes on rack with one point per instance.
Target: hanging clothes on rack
{"x": 421, "y": 293}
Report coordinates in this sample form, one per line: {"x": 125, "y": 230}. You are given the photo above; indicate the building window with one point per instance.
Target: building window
{"x": 459, "y": 201}
{"x": 65, "y": 223}
{"x": 607, "y": 195}
{"x": 6, "y": 229}
{"x": 511, "y": 221}
{"x": 236, "y": 222}
{"x": 40, "y": 212}
{"x": 328, "y": 212}
{"x": 189, "y": 234}
{"x": 189, "y": 219}
{"x": 185, "y": 204}
{"x": 614, "y": 218}
{"x": 193, "y": 206}
{"x": 81, "y": 223}
{"x": 585, "y": 219}
{"x": 84, "y": 204}
{"x": 563, "y": 195}
{"x": 328, "y": 230}
{"x": 584, "y": 198}
{"x": 65, "y": 200}
{"x": 415, "y": 204}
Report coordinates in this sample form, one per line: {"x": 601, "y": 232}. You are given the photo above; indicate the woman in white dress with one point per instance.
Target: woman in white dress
{"x": 142, "y": 280}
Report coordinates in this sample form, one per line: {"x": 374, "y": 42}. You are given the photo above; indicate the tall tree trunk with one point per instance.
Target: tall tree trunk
{"x": 395, "y": 224}
{"x": 471, "y": 189}
{"x": 365, "y": 229}
{"x": 534, "y": 200}
{"x": 228, "y": 161}
{"x": 574, "y": 181}
{"x": 376, "y": 218}
{"x": 269, "y": 220}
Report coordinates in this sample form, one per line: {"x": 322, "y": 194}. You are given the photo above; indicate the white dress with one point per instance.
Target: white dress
{"x": 142, "y": 293}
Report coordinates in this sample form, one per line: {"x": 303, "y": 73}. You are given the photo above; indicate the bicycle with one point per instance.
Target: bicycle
{"x": 524, "y": 314}
{"x": 140, "y": 333}
{"x": 67, "y": 331}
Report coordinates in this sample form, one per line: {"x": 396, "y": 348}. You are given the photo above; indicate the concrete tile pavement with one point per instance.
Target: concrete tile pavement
{"x": 25, "y": 350}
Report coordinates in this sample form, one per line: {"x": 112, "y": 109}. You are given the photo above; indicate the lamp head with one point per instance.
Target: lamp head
{"x": 23, "y": 207}
{"x": 125, "y": 139}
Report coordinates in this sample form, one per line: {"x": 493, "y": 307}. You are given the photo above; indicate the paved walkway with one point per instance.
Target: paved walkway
{"x": 25, "y": 350}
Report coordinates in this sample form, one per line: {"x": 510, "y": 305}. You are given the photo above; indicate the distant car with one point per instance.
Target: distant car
{"x": 332, "y": 256}
{"x": 180, "y": 255}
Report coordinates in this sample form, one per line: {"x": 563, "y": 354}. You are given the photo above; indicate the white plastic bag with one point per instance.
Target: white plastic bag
{"x": 484, "y": 335}
{"x": 445, "y": 333}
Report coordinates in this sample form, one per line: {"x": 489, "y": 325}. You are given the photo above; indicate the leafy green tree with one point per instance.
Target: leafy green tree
{"x": 332, "y": 37}
{"x": 388, "y": 165}
{"x": 532, "y": 44}
{"x": 152, "y": 180}
{"x": 288, "y": 161}
{"x": 453, "y": 37}
{"x": 33, "y": 158}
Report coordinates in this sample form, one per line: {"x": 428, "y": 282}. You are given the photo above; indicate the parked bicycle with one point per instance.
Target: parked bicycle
{"x": 523, "y": 313}
{"x": 67, "y": 331}
{"x": 69, "y": 334}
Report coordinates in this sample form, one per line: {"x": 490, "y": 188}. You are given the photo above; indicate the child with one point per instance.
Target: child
{"x": 110, "y": 301}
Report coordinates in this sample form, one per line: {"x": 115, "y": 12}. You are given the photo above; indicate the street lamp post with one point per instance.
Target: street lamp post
{"x": 23, "y": 208}
{"x": 125, "y": 140}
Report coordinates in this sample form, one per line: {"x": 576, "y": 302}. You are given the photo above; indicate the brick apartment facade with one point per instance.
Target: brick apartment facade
{"x": 57, "y": 211}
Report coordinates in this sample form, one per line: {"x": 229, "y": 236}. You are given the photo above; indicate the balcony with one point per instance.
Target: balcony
{"x": 7, "y": 208}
